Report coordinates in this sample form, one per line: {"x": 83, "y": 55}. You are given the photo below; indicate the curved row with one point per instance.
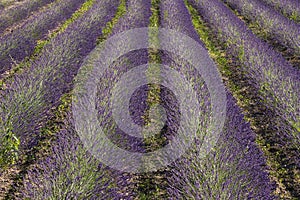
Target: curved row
{"x": 19, "y": 44}
{"x": 175, "y": 16}
{"x": 26, "y": 103}
{"x": 100, "y": 183}
{"x": 137, "y": 16}
{"x": 286, "y": 32}
{"x": 19, "y": 12}
{"x": 231, "y": 160}
{"x": 6, "y": 3}
{"x": 277, "y": 82}
{"x": 290, "y": 8}
{"x": 77, "y": 174}
{"x": 235, "y": 169}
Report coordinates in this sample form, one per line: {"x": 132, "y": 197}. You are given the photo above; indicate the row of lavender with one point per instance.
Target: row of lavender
{"x": 290, "y": 8}
{"x": 79, "y": 175}
{"x": 285, "y": 31}
{"x": 185, "y": 182}
{"x": 70, "y": 172}
{"x": 26, "y": 103}
{"x": 6, "y": 3}
{"x": 21, "y": 43}
{"x": 191, "y": 178}
{"x": 235, "y": 169}
{"x": 277, "y": 82}
{"x": 19, "y": 12}
{"x": 51, "y": 75}
{"x": 138, "y": 15}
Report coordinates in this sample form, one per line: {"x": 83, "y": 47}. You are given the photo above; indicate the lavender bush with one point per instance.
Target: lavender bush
{"x": 69, "y": 172}
{"x": 277, "y": 82}
{"x": 137, "y": 16}
{"x": 175, "y": 16}
{"x": 19, "y": 12}
{"x": 286, "y": 32}
{"x": 290, "y": 8}
{"x": 6, "y": 3}
{"x": 15, "y": 46}
{"x": 235, "y": 169}
{"x": 26, "y": 103}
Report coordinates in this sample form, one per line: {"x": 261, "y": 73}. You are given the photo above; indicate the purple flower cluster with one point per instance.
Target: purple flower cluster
{"x": 70, "y": 172}
{"x": 282, "y": 29}
{"x": 235, "y": 169}
{"x": 5, "y": 4}
{"x": 137, "y": 16}
{"x": 137, "y": 103}
{"x": 277, "y": 82}
{"x": 19, "y": 44}
{"x": 32, "y": 94}
{"x": 291, "y": 8}
{"x": 19, "y": 12}
{"x": 174, "y": 15}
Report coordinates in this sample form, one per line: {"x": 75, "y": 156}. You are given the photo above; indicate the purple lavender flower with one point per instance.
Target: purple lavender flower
{"x": 277, "y": 82}
{"x": 69, "y": 172}
{"x": 235, "y": 169}
{"x": 19, "y": 44}
{"x": 285, "y": 31}
{"x": 19, "y": 12}
{"x": 290, "y": 8}
{"x": 31, "y": 95}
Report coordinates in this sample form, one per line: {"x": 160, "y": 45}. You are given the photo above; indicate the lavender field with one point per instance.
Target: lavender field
{"x": 150, "y": 99}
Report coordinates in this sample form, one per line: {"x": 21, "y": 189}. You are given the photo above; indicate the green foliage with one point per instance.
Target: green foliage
{"x": 241, "y": 53}
{"x": 154, "y": 19}
{"x": 294, "y": 16}
{"x": 42, "y": 43}
{"x": 15, "y": 118}
{"x": 296, "y": 126}
{"x": 83, "y": 9}
{"x": 217, "y": 54}
{"x": 80, "y": 168}
{"x": 6, "y": 3}
{"x": 107, "y": 30}
{"x": 9, "y": 147}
